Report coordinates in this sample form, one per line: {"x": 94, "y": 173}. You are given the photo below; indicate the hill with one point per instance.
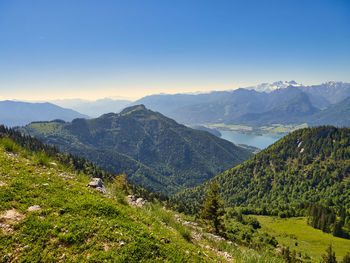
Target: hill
{"x": 153, "y": 150}
{"x": 16, "y": 113}
{"x": 48, "y": 214}
{"x": 308, "y": 165}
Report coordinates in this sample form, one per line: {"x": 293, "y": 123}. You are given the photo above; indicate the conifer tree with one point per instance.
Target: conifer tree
{"x": 329, "y": 257}
{"x": 213, "y": 208}
{"x": 346, "y": 258}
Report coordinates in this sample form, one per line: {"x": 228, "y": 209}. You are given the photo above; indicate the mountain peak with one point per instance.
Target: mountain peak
{"x": 131, "y": 109}
{"x": 269, "y": 87}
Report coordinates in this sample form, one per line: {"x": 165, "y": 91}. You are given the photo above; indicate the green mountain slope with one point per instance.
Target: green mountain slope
{"x": 48, "y": 214}
{"x": 153, "y": 150}
{"x": 307, "y": 165}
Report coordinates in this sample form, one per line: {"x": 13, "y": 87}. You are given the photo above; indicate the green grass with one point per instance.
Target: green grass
{"x": 295, "y": 233}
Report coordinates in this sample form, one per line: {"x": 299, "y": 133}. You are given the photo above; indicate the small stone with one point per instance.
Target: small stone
{"x": 34, "y": 208}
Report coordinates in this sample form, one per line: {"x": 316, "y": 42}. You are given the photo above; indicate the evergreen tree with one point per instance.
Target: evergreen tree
{"x": 337, "y": 229}
{"x": 329, "y": 257}
{"x": 213, "y": 208}
{"x": 346, "y": 258}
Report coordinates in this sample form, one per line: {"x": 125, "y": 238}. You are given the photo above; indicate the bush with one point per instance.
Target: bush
{"x": 9, "y": 145}
{"x": 41, "y": 158}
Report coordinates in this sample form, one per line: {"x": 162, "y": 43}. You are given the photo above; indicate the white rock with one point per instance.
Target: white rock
{"x": 34, "y": 208}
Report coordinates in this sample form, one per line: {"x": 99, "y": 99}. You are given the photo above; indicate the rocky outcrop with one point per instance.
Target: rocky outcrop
{"x": 97, "y": 184}
{"x": 134, "y": 201}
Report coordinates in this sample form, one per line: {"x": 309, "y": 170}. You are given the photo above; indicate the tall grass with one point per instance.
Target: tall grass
{"x": 41, "y": 158}
{"x": 9, "y": 145}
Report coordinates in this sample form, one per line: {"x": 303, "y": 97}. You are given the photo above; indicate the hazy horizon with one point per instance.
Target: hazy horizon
{"x": 75, "y": 100}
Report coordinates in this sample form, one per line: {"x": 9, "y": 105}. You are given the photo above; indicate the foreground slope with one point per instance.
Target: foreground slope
{"x": 48, "y": 214}
{"x": 153, "y": 150}
{"x": 307, "y": 165}
{"x": 17, "y": 113}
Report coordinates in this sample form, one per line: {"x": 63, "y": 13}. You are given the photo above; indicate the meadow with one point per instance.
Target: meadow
{"x": 299, "y": 236}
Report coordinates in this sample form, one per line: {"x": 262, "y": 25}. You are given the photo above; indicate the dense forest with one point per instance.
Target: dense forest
{"x": 308, "y": 165}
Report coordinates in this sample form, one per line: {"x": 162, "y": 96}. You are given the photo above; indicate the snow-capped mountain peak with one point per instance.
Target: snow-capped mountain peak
{"x": 268, "y": 87}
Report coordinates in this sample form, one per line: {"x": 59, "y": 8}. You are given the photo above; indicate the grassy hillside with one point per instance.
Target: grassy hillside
{"x": 310, "y": 165}
{"x": 154, "y": 151}
{"x": 47, "y": 214}
{"x": 297, "y": 235}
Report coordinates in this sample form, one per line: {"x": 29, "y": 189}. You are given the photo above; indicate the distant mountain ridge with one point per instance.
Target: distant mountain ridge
{"x": 17, "y": 113}
{"x": 264, "y": 104}
{"x": 94, "y": 108}
{"x": 153, "y": 150}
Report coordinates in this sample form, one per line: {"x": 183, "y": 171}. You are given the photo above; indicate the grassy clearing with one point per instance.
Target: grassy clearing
{"x": 263, "y": 130}
{"x": 280, "y": 128}
{"x": 295, "y": 233}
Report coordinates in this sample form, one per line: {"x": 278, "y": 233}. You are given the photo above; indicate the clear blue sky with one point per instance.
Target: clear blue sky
{"x": 92, "y": 49}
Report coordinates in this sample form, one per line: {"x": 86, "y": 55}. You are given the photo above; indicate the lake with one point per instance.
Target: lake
{"x": 259, "y": 141}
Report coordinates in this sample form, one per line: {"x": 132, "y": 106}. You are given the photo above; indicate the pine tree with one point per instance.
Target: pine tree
{"x": 329, "y": 257}
{"x": 346, "y": 258}
{"x": 213, "y": 208}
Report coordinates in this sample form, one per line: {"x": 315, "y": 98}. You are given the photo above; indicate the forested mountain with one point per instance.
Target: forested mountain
{"x": 17, "y": 113}
{"x": 153, "y": 150}
{"x": 308, "y": 165}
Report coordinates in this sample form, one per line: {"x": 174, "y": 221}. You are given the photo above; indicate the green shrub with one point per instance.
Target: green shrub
{"x": 41, "y": 158}
{"x": 9, "y": 145}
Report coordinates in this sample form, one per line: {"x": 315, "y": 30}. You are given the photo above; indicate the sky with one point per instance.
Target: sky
{"x": 92, "y": 49}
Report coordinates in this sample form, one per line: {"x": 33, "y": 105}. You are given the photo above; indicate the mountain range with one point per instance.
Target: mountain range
{"x": 291, "y": 103}
{"x": 17, "y": 113}
{"x": 153, "y": 150}
{"x": 282, "y": 102}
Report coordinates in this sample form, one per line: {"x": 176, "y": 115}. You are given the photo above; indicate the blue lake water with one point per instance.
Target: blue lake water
{"x": 259, "y": 141}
